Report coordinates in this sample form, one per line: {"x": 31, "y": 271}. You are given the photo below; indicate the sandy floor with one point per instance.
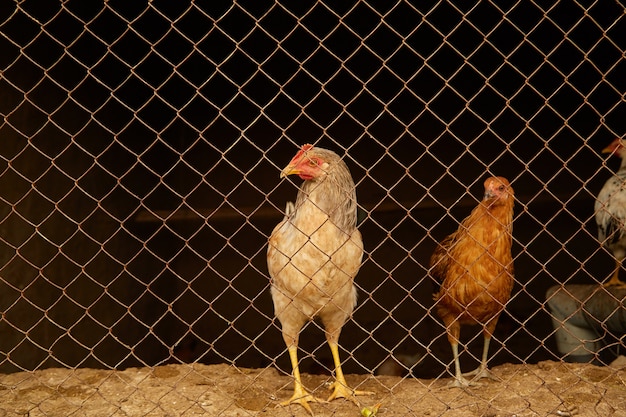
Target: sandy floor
{"x": 548, "y": 388}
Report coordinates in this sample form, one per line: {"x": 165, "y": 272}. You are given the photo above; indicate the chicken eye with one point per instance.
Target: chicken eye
{"x": 501, "y": 188}
{"x": 312, "y": 162}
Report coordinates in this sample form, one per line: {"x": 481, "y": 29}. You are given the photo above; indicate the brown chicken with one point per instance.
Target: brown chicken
{"x": 475, "y": 268}
{"x": 313, "y": 256}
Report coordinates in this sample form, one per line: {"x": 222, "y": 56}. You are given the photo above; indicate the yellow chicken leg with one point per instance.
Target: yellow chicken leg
{"x": 300, "y": 394}
{"x": 615, "y": 281}
{"x": 340, "y": 386}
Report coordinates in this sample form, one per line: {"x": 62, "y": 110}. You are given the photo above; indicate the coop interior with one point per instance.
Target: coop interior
{"x": 139, "y": 185}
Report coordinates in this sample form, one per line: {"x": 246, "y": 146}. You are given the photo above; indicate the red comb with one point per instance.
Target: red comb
{"x": 306, "y": 147}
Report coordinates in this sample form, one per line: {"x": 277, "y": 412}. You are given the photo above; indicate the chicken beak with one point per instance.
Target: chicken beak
{"x": 608, "y": 149}
{"x": 614, "y": 146}
{"x": 289, "y": 170}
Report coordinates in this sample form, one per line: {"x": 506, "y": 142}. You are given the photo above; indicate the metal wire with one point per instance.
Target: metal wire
{"x": 142, "y": 141}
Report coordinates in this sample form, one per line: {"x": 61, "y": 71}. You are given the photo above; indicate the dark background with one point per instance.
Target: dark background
{"x": 141, "y": 145}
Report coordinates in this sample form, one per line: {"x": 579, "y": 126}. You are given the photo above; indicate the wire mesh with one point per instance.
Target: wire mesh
{"x": 142, "y": 142}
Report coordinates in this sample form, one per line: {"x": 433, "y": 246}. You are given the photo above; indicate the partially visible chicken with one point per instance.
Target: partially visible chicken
{"x": 610, "y": 208}
{"x": 313, "y": 256}
{"x": 399, "y": 364}
{"x": 475, "y": 268}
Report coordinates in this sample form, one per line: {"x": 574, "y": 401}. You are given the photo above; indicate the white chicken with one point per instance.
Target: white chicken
{"x": 610, "y": 209}
{"x": 313, "y": 256}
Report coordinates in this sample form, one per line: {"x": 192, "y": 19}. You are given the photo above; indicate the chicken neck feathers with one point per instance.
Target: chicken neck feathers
{"x": 333, "y": 194}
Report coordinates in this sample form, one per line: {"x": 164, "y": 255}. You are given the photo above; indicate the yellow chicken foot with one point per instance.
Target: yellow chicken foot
{"x": 300, "y": 394}
{"x": 340, "y": 387}
{"x": 615, "y": 281}
{"x": 302, "y": 397}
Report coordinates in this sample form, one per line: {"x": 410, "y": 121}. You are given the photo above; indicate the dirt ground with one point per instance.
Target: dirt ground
{"x": 544, "y": 389}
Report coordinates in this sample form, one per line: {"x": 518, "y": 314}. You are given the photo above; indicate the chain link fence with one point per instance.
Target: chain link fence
{"x": 141, "y": 142}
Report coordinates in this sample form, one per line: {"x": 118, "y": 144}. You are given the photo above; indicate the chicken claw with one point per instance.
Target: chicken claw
{"x": 461, "y": 382}
{"x": 478, "y": 373}
{"x": 481, "y": 372}
{"x": 343, "y": 391}
{"x": 340, "y": 386}
{"x": 303, "y": 398}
